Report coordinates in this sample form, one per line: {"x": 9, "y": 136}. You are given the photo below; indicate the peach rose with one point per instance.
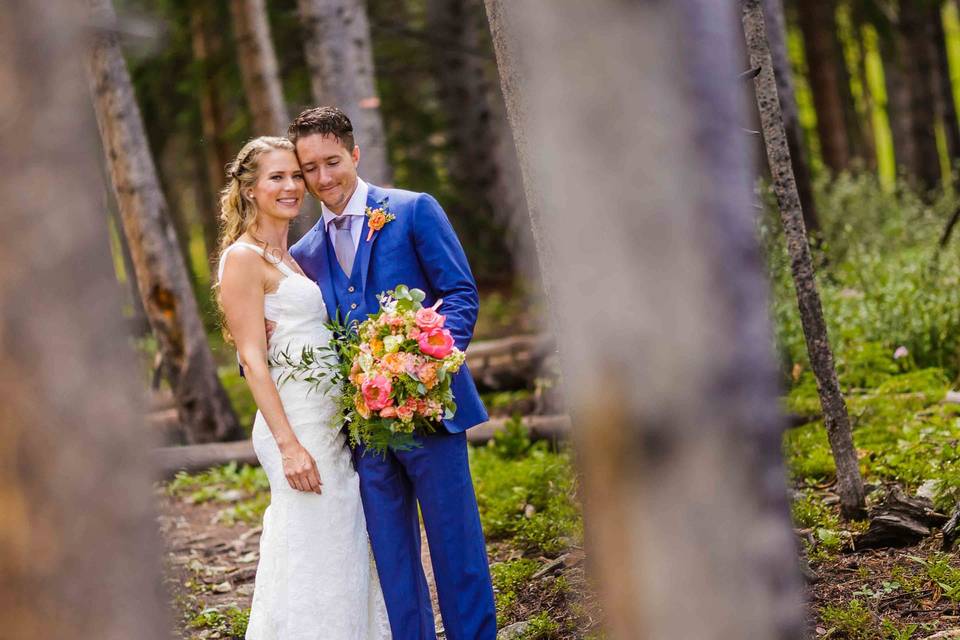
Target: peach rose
{"x": 388, "y": 412}
{"x": 427, "y": 373}
{"x": 428, "y": 318}
{"x": 394, "y": 362}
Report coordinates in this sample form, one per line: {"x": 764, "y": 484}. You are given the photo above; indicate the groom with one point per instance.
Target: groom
{"x": 352, "y": 264}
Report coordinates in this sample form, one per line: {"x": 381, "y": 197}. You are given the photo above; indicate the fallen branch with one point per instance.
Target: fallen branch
{"x": 197, "y": 457}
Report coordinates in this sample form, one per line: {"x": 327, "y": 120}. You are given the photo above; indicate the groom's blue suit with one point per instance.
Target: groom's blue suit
{"x": 419, "y": 249}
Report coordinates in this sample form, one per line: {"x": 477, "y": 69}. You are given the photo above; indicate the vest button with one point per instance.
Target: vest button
{"x": 351, "y": 289}
{"x": 353, "y": 305}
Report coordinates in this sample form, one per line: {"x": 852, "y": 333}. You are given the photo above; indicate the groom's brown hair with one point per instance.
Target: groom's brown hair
{"x": 329, "y": 121}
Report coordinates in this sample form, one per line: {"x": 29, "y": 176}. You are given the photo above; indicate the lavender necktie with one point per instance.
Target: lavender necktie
{"x": 343, "y": 243}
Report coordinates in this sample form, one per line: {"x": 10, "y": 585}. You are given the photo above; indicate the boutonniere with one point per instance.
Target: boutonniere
{"x": 377, "y": 218}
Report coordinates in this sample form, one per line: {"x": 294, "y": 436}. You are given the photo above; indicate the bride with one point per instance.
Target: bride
{"x": 316, "y": 577}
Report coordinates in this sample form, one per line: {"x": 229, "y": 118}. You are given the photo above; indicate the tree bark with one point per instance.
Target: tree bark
{"x": 207, "y": 46}
{"x": 849, "y": 482}
{"x": 818, "y": 24}
{"x": 777, "y": 32}
{"x": 893, "y": 51}
{"x": 258, "y": 67}
{"x": 951, "y": 125}
{"x": 483, "y": 162}
{"x": 340, "y": 62}
{"x": 922, "y": 79}
{"x": 657, "y": 136}
{"x": 202, "y": 403}
{"x": 79, "y": 553}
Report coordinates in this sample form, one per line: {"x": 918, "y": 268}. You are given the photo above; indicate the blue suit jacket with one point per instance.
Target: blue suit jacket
{"x": 419, "y": 249}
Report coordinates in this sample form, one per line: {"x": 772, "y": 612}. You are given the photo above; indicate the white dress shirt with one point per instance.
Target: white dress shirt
{"x": 356, "y": 208}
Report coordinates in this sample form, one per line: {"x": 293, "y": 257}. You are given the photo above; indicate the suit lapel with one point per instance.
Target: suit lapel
{"x": 365, "y": 249}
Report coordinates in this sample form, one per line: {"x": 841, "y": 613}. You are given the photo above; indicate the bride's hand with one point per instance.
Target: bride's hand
{"x": 300, "y": 469}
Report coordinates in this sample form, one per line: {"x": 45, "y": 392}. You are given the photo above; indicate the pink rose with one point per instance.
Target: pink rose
{"x": 376, "y": 392}
{"x": 428, "y": 318}
{"x": 407, "y": 409}
{"x": 414, "y": 333}
{"x": 437, "y": 342}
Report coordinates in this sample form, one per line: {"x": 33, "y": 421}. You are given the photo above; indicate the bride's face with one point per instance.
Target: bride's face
{"x": 279, "y": 188}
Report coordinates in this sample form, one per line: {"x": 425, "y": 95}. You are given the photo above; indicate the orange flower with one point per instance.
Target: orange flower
{"x": 361, "y": 406}
{"x": 376, "y": 219}
{"x": 394, "y": 363}
{"x": 428, "y": 374}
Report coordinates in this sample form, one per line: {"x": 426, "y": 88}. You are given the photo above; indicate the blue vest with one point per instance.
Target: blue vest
{"x": 347, "y": 291}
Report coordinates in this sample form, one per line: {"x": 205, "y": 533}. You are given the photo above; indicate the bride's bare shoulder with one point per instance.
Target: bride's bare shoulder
{"x": 241, "y": 266}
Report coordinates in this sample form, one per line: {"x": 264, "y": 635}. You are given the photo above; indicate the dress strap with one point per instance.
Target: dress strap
{"x": 284, "y": 269}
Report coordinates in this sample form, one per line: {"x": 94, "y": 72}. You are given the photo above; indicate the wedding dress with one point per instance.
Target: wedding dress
{"x": 316, "y": 579}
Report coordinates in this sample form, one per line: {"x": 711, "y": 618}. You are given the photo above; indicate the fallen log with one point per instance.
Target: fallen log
{"x": 197, "y": 457}
{"x": 899, "y": 521}
{"x": 508, "y": 363}
{"x": 951, "y": 530}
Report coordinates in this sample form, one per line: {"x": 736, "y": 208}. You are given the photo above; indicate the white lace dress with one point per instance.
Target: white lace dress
{"x": 316, "y": 579}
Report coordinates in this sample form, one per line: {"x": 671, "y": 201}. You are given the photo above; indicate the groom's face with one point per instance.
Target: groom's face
{"x": 329, "y": 169}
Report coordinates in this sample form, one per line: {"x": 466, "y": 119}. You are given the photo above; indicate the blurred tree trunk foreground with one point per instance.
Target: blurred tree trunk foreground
{"x": 648, "y": 260}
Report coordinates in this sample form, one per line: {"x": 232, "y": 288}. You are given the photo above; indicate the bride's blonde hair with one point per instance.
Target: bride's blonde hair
{"x": 238, "y": 214}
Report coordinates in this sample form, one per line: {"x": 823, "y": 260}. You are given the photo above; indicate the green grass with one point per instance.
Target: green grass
{"x": 244, "y": 489}
{"x": 528, "y": 499}
{"x": 229, "y": 623}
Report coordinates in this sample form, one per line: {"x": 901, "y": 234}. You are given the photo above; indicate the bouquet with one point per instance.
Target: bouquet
{"x": 392, "y": 371}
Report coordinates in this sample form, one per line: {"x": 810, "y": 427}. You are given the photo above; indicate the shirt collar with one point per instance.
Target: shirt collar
{"x": 356, "y": 206}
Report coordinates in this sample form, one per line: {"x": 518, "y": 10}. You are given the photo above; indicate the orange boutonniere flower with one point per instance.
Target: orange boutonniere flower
{"x": 377, "y": 218}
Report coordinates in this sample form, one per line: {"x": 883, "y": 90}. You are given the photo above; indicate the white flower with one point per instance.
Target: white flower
{"x": 366, "y": 362}
{"x": 392, "y": 344}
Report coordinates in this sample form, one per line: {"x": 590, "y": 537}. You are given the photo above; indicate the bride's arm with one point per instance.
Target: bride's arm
{"x": 241, "y": 295}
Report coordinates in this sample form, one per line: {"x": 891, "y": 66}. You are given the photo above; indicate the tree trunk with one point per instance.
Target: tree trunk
{"x": 483, "y": 162}
{"x": 922, "y": 79}
{"x": 208, "y": 53}
{"x": 79, "y": 553}
{"x": 777, "y": 31}
{"x": 649, "y": 257}
{"x": 139, "y": 324}
{"x": 892, "y": 50}
{"x": 258, "y": 67}
{"x": 202, "y": 403}
{"x": 951, "y": 125}
{"x": 340, "y": 63}
{"x": 818, "y": 24}
{"x": 849, "y": 483}
{"x": 859, "y": 144}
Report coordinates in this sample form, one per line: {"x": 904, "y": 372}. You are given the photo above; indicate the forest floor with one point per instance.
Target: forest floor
{"x": 907, "y": 435}
{"x": 887, "y": 594}
{"x": 210, "y": 523}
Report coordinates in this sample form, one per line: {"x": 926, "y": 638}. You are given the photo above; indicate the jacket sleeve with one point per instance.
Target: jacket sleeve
{"x": 445, "y": 264}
